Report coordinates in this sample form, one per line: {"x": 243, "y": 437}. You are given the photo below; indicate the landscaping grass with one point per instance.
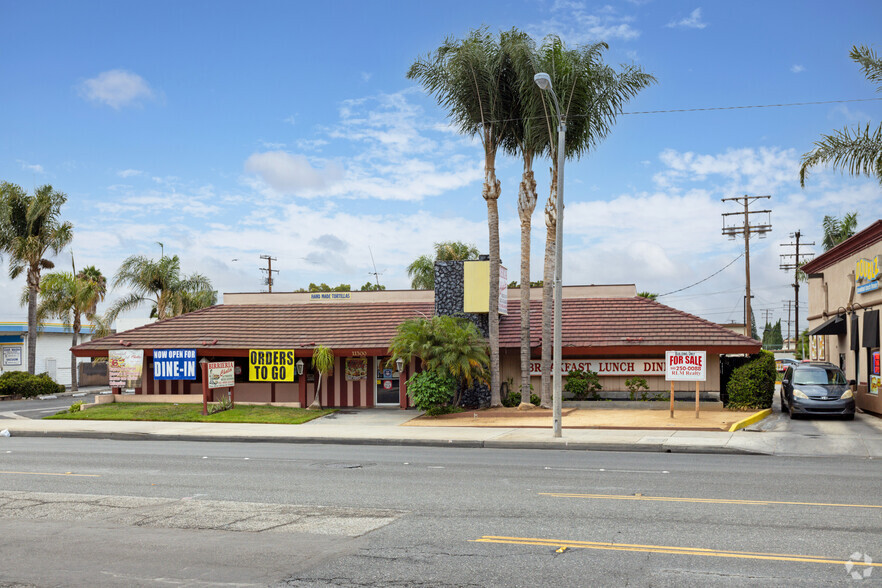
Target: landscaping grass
{"x": 192, "y": 413}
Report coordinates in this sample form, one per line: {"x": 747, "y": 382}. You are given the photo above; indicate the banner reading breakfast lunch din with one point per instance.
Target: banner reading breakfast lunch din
{"x": 685, "y": 366}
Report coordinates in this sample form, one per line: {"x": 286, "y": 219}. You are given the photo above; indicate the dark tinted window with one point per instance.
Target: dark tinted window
{"x": 819, "y": 376}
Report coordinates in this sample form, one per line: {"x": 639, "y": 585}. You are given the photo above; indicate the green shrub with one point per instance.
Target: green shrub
{"x": 753, "y": 384}
{"x": 446, "y": 409}
{"x": 635, "y": 385}
{"x": 430, "y": 389}
{"x": 582, "y": 385}
{"x": 76, "y": 406}
{"x": 513, "y": 399}
{"x": 27, "y": 385}
{"x": 225, "y": 402}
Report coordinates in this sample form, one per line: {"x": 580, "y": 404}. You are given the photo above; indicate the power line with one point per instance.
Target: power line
{"x": 703, "y": 109}
{"x": 704, "y": 280}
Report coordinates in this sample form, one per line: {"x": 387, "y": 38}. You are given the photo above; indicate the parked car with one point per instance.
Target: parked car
{"x": 782, "y": 364}
{"x": 816, "y": 388}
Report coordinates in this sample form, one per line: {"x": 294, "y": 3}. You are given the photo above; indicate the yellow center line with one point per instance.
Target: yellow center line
{"x": 703, "y": 500}
{"x": 52, "y": 474}
{"x": 672, "y": 550}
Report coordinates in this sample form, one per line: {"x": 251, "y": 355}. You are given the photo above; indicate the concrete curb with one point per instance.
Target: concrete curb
{"x": 754, "y": 418}
{"x": 458, "y": 443}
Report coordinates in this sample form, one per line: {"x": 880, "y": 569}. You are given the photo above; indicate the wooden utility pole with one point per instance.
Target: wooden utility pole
{"x": 747, "y": 229}
{"x": 269, "y": 270}
{"x": 786, "y": 265}
{"x": 788, "y": 319}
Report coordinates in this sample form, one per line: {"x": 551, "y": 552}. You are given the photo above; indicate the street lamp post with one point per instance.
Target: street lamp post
{"x": 543, "y": 80}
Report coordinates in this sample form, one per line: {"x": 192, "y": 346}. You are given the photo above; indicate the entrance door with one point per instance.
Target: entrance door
{"x": 386, "y": 389}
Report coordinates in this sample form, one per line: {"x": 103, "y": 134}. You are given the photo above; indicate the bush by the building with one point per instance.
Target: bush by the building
{"x": 26, "y": 385}
{"x": 582, "y": 385}
{"x": 752, "y": 385}
{"x": 431, "y": 391}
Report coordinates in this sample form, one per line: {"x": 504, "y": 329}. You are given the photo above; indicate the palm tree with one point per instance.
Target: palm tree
{"x": 527, "y": 140}
{"x": 30, "y": 226}
{"x": 474, "y": 82}
{"x": 591, "y": 95}
{"x": 68, "y": 296}
{"x": 422, "y": 270}
{"x": 857, "y": 151}
{"x": 93, "y": 274}
{"x": 452, "y": 346}
{"x": 323, "y": 362}
{"x": 160, "y": 282}
{"x": 836, "y": 231}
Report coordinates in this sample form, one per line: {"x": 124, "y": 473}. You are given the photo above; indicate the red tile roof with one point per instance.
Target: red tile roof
{"x": 601, "y": 324}
{"x": 608, "y": 323}
{"x": 264, "y": 326}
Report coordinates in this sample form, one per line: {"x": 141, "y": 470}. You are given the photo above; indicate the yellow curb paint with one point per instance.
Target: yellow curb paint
{"x": 702, "y": 500}
{"x": 52, "y": 474}
{"x": 666, "y": 550}
{"x": 754, "y": 418}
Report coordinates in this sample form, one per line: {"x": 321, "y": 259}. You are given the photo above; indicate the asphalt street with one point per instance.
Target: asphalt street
{"x": 78, "y": 512}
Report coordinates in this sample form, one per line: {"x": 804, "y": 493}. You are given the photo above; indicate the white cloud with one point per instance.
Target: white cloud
{"x": 366, "y": 77}
{"x": 693, "y": 21}
{"x": 577, "y": 25}
{"x": 797, "y": 69}
{"x": 116, "y": 88}
{"x": 292, "y": 174}
{"x": 32, "y": 167}
{"x": 746, "y": 170}
{"x": 128, "y": 173}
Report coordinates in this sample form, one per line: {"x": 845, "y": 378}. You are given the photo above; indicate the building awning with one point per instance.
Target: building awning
{"x": 833, "y": 326}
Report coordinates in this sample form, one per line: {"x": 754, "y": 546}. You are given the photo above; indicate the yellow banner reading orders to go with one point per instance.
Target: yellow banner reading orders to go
{"x": 271, "y": 365}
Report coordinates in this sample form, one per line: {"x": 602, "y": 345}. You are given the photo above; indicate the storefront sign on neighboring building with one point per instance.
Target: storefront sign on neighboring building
{"x": 174, "y": 364}
{"x": 503, "y": 290}
{"x": 124, "y": 366}
{"x": 221, "y": 374}
{"x": 685, "y": 366}
{"x": 866, "y": 274}
{"x": 12, "y": 356}
{"x": 271, "y": 365}
{"x": 608, "y": 367}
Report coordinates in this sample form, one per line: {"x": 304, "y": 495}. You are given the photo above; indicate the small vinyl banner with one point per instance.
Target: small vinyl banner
{"x": 174, "y": 364}
{"x": 685, "y": 366}
{"x": 123, "y": 366}
{"x": 271, "y": 365}
{"x": 356, "y": 369}
{"x": 221, "y": 374}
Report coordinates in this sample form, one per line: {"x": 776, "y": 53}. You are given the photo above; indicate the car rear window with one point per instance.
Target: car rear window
{"x": 818, "y": 376}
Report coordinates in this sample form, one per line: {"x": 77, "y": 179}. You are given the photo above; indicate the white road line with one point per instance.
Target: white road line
{"x": 608, "y": 470}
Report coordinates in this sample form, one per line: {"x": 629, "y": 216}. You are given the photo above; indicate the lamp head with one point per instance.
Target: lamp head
{"x": 399, "y": 363}
{"x": 543, "y": 80}
{"x": 299, "y": 366}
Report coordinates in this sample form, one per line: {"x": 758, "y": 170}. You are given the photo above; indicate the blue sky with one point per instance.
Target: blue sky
{"x": 226, "y": 130}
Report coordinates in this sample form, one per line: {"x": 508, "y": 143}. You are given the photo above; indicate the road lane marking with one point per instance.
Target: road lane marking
{"x": 703, "y": 500}
{"x": 666, "y": 549}
{"x": 607, "y": 470}
{"x": 52, "y": 474}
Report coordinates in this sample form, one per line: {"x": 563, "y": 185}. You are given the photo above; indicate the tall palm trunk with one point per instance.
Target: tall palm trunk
{"x": 73, "y": 358}
{"x": 526, "y": 205}
{"x": 548, "y": 289}
{"x": 491, "y": 193}
{"x": 33, "y": 290}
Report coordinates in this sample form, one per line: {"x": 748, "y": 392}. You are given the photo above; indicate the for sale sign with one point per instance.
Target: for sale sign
{"x": 685, "y": 366}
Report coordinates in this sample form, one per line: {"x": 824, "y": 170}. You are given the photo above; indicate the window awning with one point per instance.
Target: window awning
{"x": 833, "y": 326}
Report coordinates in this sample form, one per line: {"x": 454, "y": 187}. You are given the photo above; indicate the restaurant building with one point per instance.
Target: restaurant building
{"x": 607, "y": 329}
{"x": 845, "y": 295}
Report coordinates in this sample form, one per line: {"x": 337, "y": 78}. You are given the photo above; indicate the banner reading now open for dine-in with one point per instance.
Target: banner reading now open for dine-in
{"x": 271, "y": 365}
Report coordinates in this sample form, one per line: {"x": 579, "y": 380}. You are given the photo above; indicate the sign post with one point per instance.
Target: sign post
{"x": 685, "y": 366}
{"x": 222, "y": 374}
{"x": 203, "y": 365}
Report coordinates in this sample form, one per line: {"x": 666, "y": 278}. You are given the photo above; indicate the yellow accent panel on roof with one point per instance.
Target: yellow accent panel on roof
{"x": 476, "y": 286}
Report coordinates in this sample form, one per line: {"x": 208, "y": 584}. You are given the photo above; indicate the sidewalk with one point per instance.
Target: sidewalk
{"x": 383, "y": 427}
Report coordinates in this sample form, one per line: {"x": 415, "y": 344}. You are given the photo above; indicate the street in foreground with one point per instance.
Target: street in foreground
{"x": 79, "y": 512}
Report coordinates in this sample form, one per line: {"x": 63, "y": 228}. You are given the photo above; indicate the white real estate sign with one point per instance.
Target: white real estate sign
{"x": 685, "y": 366}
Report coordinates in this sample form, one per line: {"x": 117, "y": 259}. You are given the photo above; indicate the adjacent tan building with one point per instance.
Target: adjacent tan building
{"x": 845, "y": 295}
